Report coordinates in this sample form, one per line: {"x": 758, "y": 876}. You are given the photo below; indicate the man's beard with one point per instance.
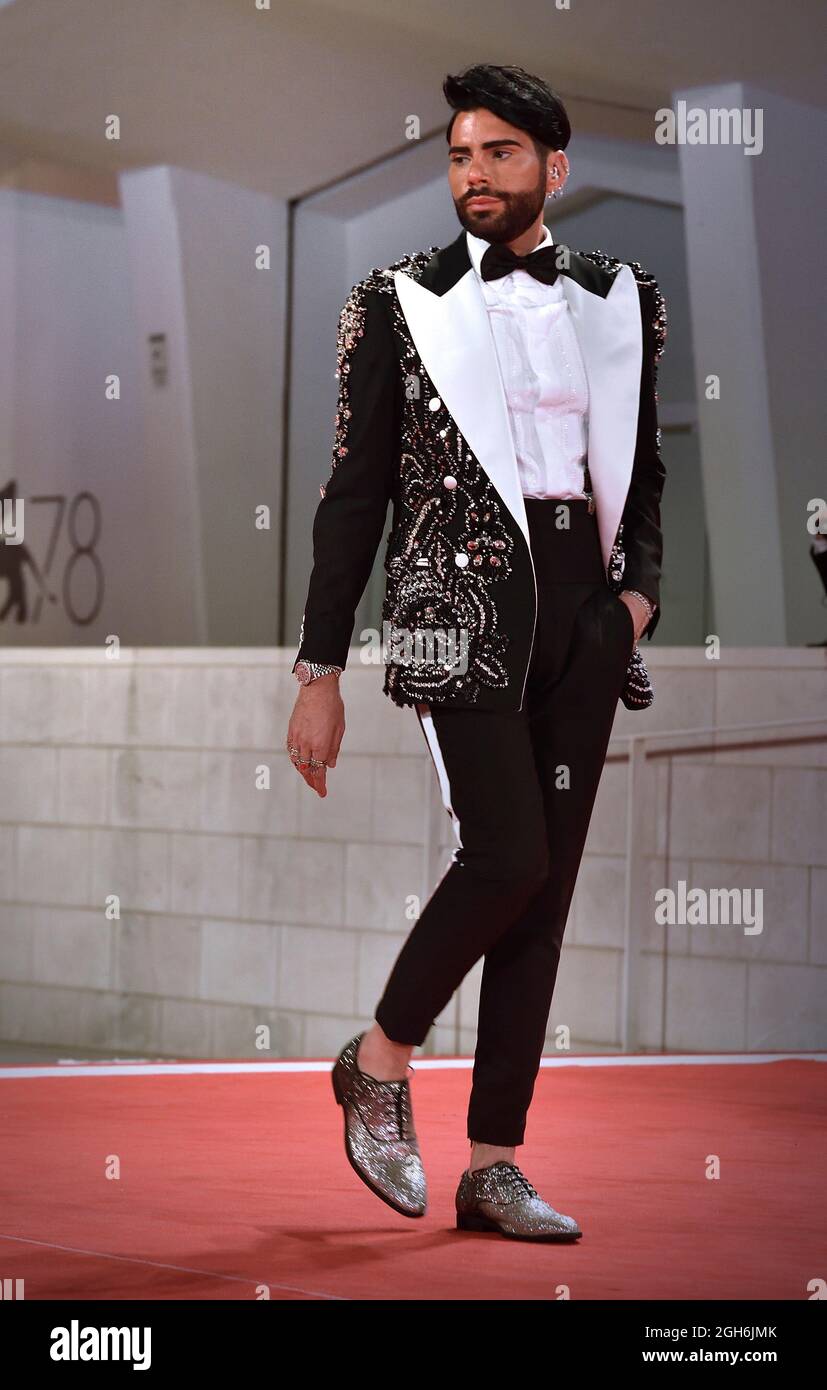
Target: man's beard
{"x": 506, "y": 220}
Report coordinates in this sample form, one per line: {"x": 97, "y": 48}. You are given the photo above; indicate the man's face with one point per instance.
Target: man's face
{"x": 487, "y": 156}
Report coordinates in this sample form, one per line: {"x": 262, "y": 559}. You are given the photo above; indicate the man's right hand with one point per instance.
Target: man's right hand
{"x": 316, "y": 728}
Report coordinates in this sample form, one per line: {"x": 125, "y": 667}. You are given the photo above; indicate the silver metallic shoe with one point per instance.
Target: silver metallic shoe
{"x": 380, "y": 1139}
{"x": 500, "y": 1198}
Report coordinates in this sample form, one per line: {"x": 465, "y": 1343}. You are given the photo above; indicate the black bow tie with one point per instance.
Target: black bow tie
{"x": 500, "y": 260}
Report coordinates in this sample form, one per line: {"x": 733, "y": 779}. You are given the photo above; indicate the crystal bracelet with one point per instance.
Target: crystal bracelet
{"x": 647, "y": 602}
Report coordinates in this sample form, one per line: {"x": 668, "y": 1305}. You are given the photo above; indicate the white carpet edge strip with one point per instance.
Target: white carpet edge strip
{"x": 241, "y": 1068}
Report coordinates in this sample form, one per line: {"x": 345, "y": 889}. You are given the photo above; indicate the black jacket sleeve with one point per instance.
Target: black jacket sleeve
{"x": 642, "y": 537}
{"x": 350, "y": 517}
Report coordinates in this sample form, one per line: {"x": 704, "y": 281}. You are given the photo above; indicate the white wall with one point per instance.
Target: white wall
{"x": 213, "y": 433}
{"x": 69, "y": 324}
{"x": 758, "y": 303}
{"x": 242, "y": 906}
{"x": 176, "y": 470}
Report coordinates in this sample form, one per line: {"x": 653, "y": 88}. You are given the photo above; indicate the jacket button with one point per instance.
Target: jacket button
{"x": 448, "y": 481}
{"x": 434, "y": 403}
{"x": 461, "y": 559}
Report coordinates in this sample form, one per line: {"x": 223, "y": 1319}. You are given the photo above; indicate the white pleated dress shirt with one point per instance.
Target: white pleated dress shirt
{"x": 543, "y": 376}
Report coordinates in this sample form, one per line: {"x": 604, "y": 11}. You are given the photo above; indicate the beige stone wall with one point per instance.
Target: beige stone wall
{"x": 243, "y": 907}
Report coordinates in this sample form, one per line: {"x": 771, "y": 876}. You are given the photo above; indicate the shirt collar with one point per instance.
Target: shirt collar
{"x": 477, "y": 247}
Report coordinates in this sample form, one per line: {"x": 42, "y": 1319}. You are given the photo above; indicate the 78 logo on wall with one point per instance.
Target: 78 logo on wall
{"x": 29, "y": 581}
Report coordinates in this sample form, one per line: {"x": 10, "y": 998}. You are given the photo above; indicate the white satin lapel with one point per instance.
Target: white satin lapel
{"x": 610, "y": 337}
{"x": 453, "y": 336}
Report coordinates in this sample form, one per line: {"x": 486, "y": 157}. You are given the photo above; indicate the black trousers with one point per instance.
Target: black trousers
{"x": 519, "y": 788}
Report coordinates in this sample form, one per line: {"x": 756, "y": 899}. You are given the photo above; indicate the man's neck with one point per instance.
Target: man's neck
{"x": 529, "y": 240}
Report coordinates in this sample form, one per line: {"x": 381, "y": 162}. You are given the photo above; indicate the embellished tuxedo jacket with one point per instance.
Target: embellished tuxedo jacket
{"x": 422, "y": 422}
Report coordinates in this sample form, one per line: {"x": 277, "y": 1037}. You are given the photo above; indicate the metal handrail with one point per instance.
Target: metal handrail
{"x": 638, "y": 752}
{"x": 716, "y": 729}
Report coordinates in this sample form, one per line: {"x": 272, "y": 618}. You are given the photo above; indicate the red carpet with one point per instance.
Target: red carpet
{"x": 236, "y": 1181}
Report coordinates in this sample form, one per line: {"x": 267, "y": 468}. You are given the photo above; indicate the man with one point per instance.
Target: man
{"x": 501, "y": 393}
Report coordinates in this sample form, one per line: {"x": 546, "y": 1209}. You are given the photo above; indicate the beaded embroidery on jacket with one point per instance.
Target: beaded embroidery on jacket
{"x": 446, "y": 505}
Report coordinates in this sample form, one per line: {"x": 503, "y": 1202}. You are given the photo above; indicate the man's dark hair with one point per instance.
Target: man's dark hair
{"x": 515, "y": 96}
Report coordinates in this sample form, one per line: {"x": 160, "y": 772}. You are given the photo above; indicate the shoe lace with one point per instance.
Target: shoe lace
{"x": 519, "y": 1183}
{"x": 403, "y": 1110}
{"x": 404, "y": 1116}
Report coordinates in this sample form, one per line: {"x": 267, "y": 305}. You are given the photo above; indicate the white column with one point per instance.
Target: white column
{"x": 756, "y": 286}
{"x": 213, "y": 431}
